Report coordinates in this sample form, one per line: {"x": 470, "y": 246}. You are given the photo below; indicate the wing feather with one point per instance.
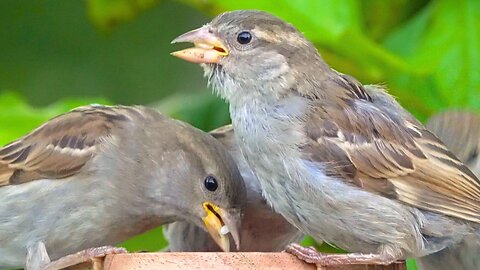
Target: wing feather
{"x": 460, "y": 131}
{"x": 391, "y": 154}
{"x": 62, "y": 146}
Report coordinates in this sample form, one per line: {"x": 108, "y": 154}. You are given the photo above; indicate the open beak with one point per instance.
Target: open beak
{"x": 208, "y": 47}
{"x": 220, "y": 222}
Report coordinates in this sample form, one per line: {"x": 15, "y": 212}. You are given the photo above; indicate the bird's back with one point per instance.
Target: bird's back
{"x": 76, "y": 210}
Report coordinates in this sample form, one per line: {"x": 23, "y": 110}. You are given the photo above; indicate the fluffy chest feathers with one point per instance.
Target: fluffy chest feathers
{"x": 269, "y": 135}
{"x": 269, "y": 127}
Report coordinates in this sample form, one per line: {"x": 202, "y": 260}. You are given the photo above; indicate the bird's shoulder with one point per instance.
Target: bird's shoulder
{"x": 375, "y": 144}
{"x": 63, "y": 145}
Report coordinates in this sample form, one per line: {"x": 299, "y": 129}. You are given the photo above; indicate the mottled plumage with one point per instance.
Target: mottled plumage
{"x": 393, "y": 155}
{"x": 460, "y": 131}
{"x": 341, "y": 161}
{"x": 60, "y": 148}
{"x": 99, "y": 175}
{"x": 262, "y": 229}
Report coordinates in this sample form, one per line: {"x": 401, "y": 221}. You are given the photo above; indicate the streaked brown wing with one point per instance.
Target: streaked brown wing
{"x": 392, "y": 156}
{"x": 460, "y": 131}
{"x": 60, "y": 147}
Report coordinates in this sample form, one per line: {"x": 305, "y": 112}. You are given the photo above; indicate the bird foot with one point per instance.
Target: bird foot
{"x": 311, "y": 255}
{"x": 94, "y": 256}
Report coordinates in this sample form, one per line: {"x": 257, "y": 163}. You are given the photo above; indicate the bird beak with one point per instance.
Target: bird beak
{"x": 208, "y": 47}
{"x": 220, "y": 222}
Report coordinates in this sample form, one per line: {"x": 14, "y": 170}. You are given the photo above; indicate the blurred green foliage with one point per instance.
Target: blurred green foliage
{"x": 106, "y": 14}
{"x": 69, "y": 53}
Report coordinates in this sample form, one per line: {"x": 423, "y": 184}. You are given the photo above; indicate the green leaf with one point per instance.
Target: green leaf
{"x": 152, "y": 241}
{"x": 382, "y": 16}
{"x": 443, "y": 43}
{"x": 411, "y": 265}
{"x": 308, "y": 241}
{"x": 108, "y": 13}
{"x": 201, "y": 109}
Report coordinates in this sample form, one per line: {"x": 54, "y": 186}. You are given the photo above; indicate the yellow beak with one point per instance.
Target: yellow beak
{"x": 219, "y": 223}
{"x": 208, "y": 47}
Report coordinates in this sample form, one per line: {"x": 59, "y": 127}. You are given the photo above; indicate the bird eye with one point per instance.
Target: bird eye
{"x": 244, "y": 37}
{"x": 211, "y": 183}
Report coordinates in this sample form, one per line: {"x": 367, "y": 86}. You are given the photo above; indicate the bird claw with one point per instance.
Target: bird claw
{"x": 97, "y": 255}
{"x": 100, "y": 252}
{"x": 94, "y": 256}
{"x": 311, "y": 255}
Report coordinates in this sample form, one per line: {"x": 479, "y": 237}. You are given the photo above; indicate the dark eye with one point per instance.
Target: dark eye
{"x": 211, "y": 183}
{"x": 244, "y": 37}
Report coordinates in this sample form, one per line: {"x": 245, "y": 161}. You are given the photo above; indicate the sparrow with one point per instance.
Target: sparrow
{"x": 343, "y": 162}
{"x": 99, "y": 175}
{"x": 262, "y": 229}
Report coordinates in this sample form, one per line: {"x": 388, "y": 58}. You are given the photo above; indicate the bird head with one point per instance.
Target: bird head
{"x": 205, "y": 186}
{"x": 241, "y": 50}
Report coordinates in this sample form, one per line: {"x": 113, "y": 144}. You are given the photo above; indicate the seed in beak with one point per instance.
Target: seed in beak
{"x": 224, "y": 230}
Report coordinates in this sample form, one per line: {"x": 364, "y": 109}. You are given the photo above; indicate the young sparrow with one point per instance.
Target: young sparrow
{"x": 99, "y": 175}
{"x": 262, "y": 228}
{"x": 341, "y": 161}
